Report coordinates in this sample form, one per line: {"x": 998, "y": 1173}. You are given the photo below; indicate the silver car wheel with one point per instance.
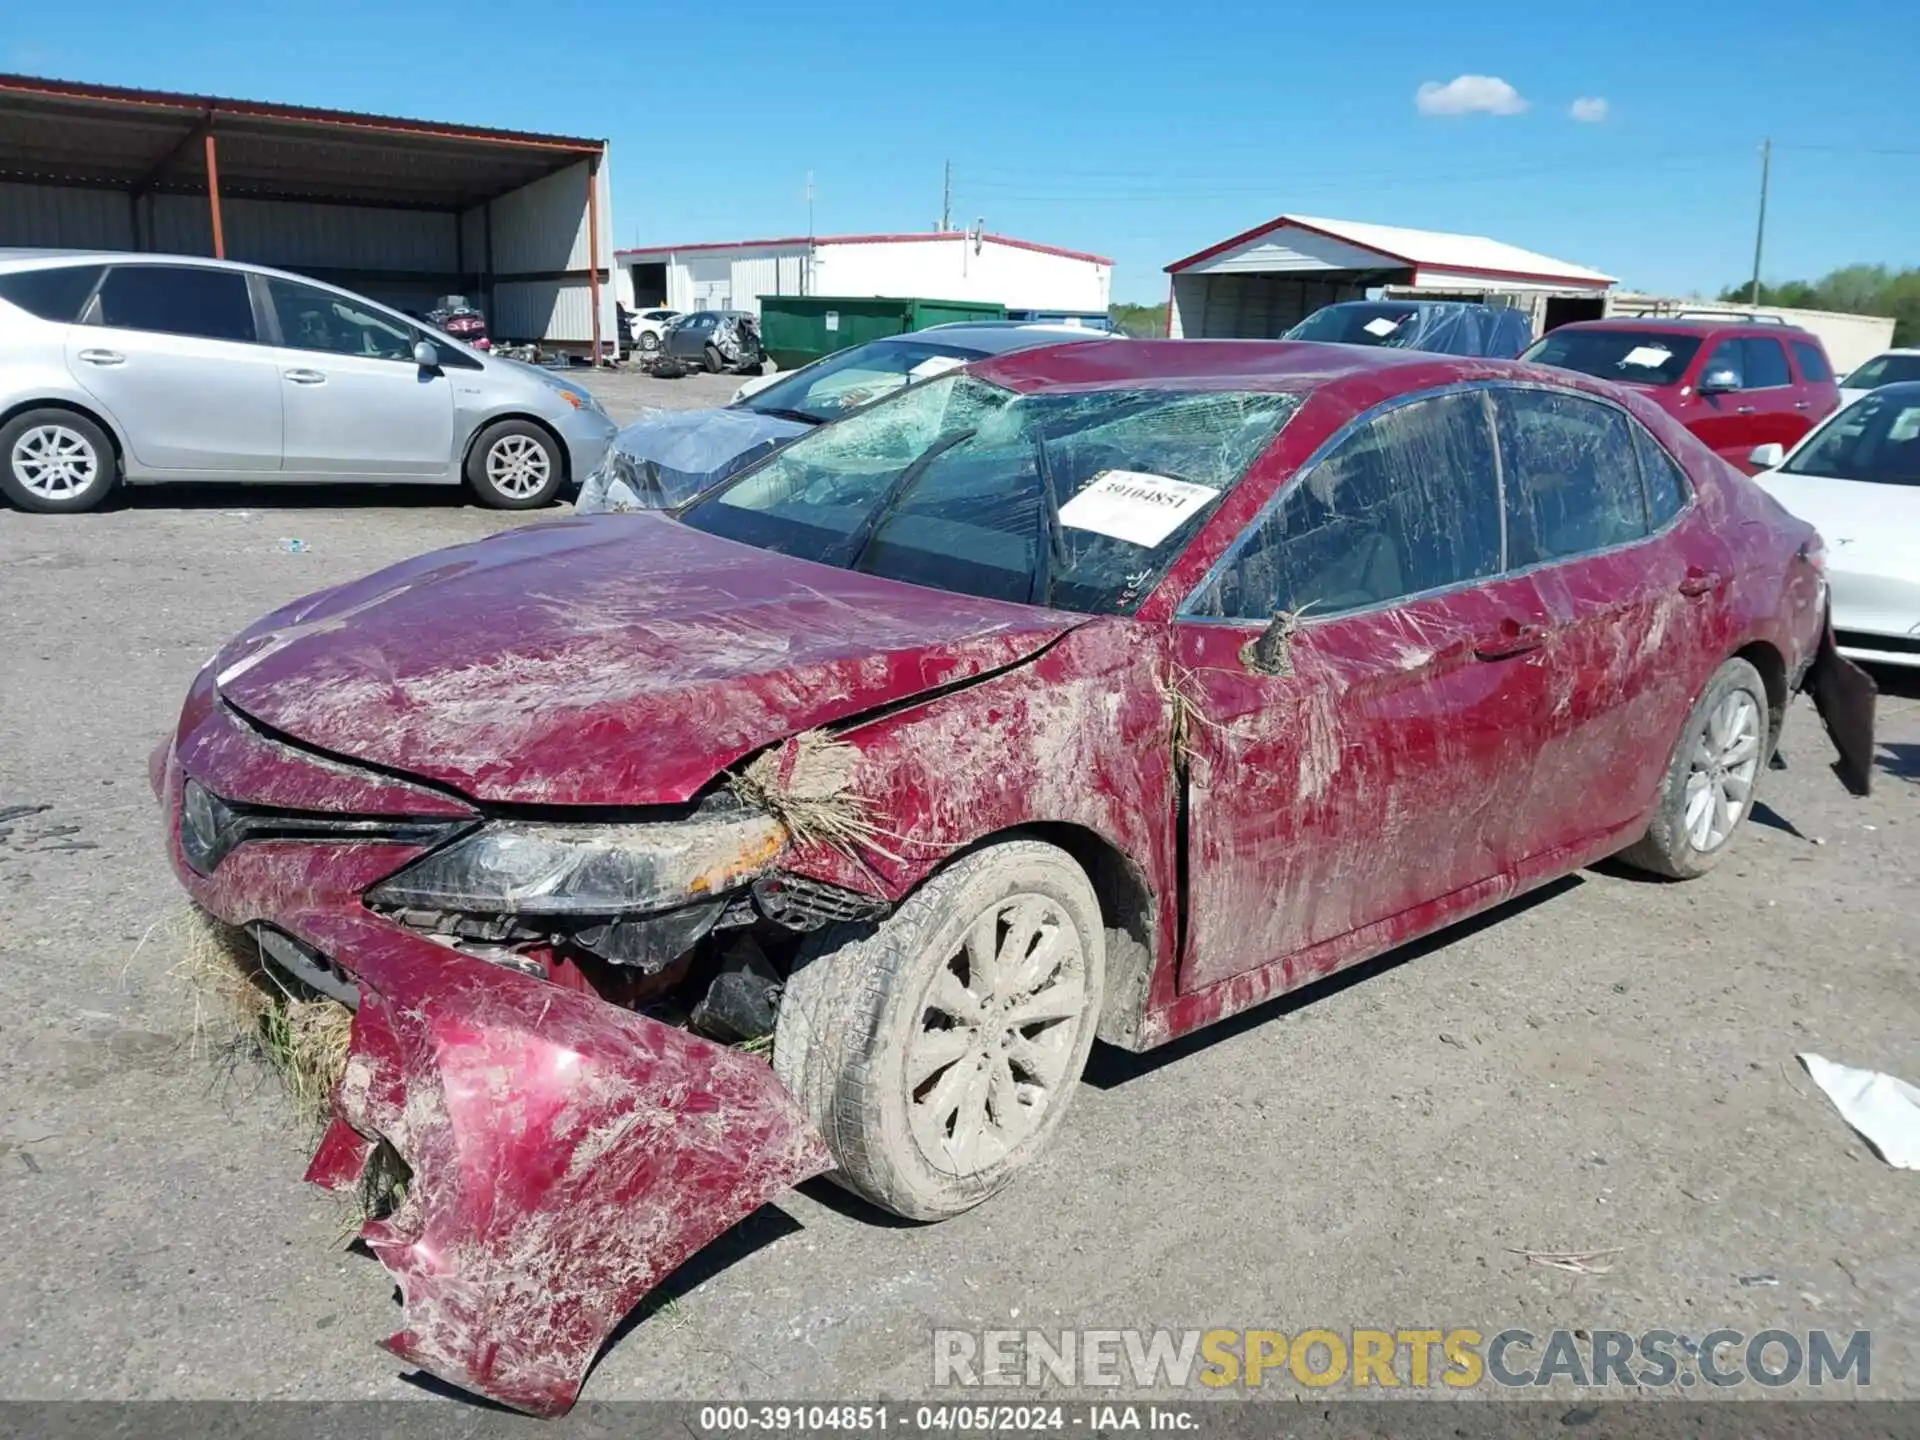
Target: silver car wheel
{"x": 54, "y": 462}
{"x": 518, "y": 467}
{"x": 1721, "y": 775}
{"x": 996, "y": 1040}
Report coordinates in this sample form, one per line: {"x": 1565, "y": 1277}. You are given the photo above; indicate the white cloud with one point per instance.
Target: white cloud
{"x": 1468, "y": 95}
{"x": 1588, "y": 109}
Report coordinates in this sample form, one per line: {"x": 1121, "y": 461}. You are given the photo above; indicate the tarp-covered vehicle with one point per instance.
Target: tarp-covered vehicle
{"x": 1445, "y": 327}
{"x": 664, "y": 458}
{"x": 1105, "y": 689}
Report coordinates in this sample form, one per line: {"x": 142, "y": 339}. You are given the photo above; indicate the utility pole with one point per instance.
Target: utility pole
{"x": 946, "y": 201}
{"x": 1760, "y": 235}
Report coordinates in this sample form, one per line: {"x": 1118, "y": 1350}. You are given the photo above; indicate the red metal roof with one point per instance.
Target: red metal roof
{"x": 786, "y": 241}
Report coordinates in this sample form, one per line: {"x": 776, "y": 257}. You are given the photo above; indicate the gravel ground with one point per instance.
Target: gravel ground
{"x": 1607, "y": 1064}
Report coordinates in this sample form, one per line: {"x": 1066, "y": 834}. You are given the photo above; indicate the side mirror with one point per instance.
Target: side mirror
{"x": 1719, "y": 382}
{"x": 1767, "y": 456}
{"x": 425, "y": 356}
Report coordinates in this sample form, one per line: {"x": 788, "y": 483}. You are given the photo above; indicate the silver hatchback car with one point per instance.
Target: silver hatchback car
{"x": 153, "y": 368}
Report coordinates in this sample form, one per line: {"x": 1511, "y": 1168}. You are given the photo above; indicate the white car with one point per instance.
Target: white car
{"x": 647, "y": 326}
{"x": 1856, "y": 478}
{"x": 1887, "y": 368}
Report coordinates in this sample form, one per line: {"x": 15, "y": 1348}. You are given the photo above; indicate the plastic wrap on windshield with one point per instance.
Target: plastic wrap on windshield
{"x": 1446, "y": 327}
{"x": 666, "y": 457}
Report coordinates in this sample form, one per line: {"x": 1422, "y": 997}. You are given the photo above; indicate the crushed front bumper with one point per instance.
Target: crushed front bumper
{"x": 565, "y": 1154}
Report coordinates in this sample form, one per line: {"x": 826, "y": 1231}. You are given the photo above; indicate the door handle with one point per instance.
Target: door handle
{"x": 305, "y": 377}
{"x": 103, "y": 357}
{"x": 1803, "y": 404}
{"x": 1510, "y": 640}
{"x": 1696, "y": 582}
{"x": 1743, "y": 409}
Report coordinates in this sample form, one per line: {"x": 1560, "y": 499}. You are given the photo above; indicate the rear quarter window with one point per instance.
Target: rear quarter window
{"x": 55, "y": 293}
{"x": 1812, "y": 362}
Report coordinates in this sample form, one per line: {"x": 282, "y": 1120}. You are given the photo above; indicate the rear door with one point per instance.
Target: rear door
{"x": 1367, "y": 753}
{"x": 1817, "y": 393}
{"x": 173, "y": 355}
{"x": 1779, "y": 405}
{"x": 356, "y": 402}
{"x": 1633, "y": 582}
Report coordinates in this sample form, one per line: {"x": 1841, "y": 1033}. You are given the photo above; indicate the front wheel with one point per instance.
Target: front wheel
{"x": 55, "y": 461}
{"x": 937, "y": 1051}
{"x": 1707, "y": 792}
{"x": 514, "y": 465}
{"x": 716, "y": 362}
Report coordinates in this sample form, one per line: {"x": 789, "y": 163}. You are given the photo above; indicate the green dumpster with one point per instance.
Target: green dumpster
{"x": 799, "y": 329}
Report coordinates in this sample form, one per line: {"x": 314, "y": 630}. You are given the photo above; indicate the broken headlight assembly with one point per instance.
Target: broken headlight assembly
{"x": 582, "y": 870}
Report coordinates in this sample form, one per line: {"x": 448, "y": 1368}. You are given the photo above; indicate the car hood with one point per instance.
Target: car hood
{"x": 617, "y": 660}
{"x": 666, "y": 457}
{"x": 546, "y": 376}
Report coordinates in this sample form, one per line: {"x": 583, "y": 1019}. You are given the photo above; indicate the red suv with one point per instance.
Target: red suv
{"x": 1734, "y": 383}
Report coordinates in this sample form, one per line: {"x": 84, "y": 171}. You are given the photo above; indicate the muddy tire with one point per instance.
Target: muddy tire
{"x": 515, "y": 465}
{"x": 1707, "y": 792}
{"x": 55, "y": 462}
{"x": 938, "y": 1050}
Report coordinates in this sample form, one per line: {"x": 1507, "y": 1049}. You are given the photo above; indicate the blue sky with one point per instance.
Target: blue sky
{"x": 1143, "y": 132}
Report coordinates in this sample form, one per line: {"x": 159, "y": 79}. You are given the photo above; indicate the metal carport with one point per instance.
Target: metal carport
{"x": 1256, "y": 284}
{"x": 401, "y": 210}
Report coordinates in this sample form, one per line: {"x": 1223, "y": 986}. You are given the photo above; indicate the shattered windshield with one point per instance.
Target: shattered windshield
{"x": 1079, "y": 501}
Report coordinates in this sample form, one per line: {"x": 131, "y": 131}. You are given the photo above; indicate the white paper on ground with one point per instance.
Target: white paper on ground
{"x": 1886, "y": 1111}
{"x": 1380, "y": 325}
{"x": 1652, "y": 357}
{"x": 1134, "y": 505}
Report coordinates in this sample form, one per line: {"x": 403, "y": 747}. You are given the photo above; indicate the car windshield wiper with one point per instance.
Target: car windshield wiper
{"x": 897, "y": 491}
{"x": 1053, "y": 557}
{"x": 780, "y": 413}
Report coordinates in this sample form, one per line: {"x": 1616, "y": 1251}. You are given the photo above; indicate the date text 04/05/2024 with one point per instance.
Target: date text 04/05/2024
{"x": 943, "y": 1419}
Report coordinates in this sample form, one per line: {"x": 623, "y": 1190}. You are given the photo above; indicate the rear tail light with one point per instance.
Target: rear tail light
{"x": 1814, "y": 552}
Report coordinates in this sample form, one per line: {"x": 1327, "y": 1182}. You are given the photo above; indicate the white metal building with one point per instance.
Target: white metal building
{"x": 1257, "y": 284}
{"x": 935, "y": 265}
{"x": 401, "y": 210}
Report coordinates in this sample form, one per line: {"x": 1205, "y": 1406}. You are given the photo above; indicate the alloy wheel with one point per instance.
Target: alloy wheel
{"x": 518, "y": 467}
{"x": 54, "y": 462}
{"x": 1720, "y": 777}
{"x": 996, "y": 1035}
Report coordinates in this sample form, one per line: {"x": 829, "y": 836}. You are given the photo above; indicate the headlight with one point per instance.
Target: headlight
{"x": 548, "y": 869}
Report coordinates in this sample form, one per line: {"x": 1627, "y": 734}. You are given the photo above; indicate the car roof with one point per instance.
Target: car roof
{"x": 1000, "y": 337}
{"x": 1289, "y": 365}
{"x": 1687, "y": 325}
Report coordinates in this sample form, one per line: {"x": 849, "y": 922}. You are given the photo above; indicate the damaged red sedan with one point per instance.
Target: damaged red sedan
{"x": 1102, "y": 690}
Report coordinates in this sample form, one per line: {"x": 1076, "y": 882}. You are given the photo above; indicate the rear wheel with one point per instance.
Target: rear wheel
{"x": 514, "y": 465}
{"x": 937, "y": 1051}
{"x": 649, "y": 341}
{"x": 55, "y": 462}
{"x": 1708, "y": 789}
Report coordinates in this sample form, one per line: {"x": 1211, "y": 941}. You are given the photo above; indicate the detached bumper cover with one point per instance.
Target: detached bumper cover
{"x": 566, "y": 1154}
{"x": 1844, "y": 694}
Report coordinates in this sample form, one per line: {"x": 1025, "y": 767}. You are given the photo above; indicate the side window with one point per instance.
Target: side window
{"x": 56, "y": 293}
{"x": 1407, "y": 503}
{"x": 1665, "y": 482}
{"x": 312, "y": 319}
{"x": 1572, "y": 480}
{"x": 1728, "y": 355}
{"x": 1766, "y": 364}
{"x": 1812, "y": 361}
{"x": 177, "y": 300}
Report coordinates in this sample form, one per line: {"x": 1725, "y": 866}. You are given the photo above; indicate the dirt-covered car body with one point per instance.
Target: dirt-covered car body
{"x": 1262, "y": 785}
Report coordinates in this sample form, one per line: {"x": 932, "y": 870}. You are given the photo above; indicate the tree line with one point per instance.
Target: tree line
{"x": 1856, "y": 289}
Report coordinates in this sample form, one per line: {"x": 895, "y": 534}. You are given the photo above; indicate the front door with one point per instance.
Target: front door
{"x": 1367, "y": 752}
{"x": 356, "y": 402}
{"x": 173, "y": 357}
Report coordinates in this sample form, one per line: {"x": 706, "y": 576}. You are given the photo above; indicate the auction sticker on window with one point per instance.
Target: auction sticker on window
{"x": 1134, "y": 505}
